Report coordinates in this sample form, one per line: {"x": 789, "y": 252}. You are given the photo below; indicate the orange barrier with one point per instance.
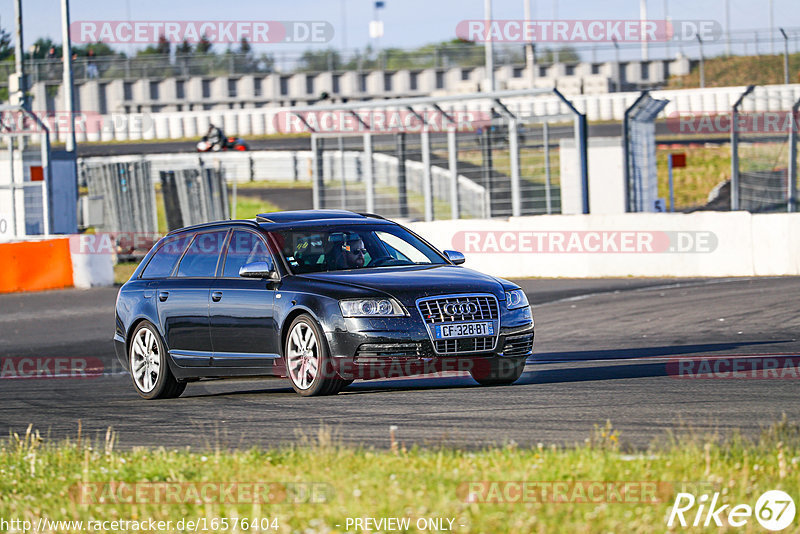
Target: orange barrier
{"x": 35, "y": 265}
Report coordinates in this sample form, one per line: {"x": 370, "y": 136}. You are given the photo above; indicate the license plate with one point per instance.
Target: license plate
{"x": 447, "y": 331}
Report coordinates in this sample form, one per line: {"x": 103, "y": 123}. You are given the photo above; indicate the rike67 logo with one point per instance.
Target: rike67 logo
{"x": 774, "y": 510}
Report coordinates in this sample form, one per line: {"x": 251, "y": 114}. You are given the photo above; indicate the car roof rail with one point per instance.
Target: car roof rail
{"x": 305, "y": 215}
{"x": 210, "y": 224}
{"x": 374, "y": 216}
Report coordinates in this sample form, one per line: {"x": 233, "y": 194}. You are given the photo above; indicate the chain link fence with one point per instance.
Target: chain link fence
{"x": 25, "y": 175}
{"x": 641, "y": 176}
{"x": 764, "y": 152}
{"x": 445, "y": 159}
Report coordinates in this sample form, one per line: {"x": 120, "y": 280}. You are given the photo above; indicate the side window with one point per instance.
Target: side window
{"x": 202, "y": 256}
{"x": 244, "y": 247}
{"x": 164, "y": 260}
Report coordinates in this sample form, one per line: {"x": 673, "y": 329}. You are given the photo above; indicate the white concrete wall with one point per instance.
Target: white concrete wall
{"x": 90, "y": 269}
{"x": 712, "y": 244}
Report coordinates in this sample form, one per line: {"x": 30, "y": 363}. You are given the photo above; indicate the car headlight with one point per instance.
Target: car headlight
{"x": 371, "y": 308}
{"x": 516, "y": 299}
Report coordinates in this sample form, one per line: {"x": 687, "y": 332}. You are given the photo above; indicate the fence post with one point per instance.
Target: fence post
{"x": 581, "y": 145}
{"x": 369, "y": 177}
{"x": 427, "y": 192}
{"x": 581, "y": 142}
{"x": 735, "y": 149}
{"x": 15, "y": 227}
{"x": 401, "y": 174}
{"x": 452, "y": 156}
{"x": 487, "y": 164}
{"x": 734, "y": 161}
{"x": 793, "y": 159}
{"x": 513, "y": 147}
{"x": 317, "y": 169}
{"x": 547, "y": 181}
{"x": 342, "y": 172}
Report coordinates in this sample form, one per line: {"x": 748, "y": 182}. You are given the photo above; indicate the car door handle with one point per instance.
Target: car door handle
{"x": 216, "y": 296}
{"x": 163, "y": 295}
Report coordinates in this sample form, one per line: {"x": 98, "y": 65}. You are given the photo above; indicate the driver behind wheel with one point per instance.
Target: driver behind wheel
{"x": 348, "y": 251}
{"x": 353, "y": 253}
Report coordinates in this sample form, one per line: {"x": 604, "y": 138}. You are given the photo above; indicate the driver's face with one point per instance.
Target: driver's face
{"x": 354, "y": 253}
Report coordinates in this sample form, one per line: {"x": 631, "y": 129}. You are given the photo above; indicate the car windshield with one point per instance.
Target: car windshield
{"x": 339, "y": 248}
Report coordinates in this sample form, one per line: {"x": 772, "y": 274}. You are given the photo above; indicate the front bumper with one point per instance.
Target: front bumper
{"x": 401, "y": 346}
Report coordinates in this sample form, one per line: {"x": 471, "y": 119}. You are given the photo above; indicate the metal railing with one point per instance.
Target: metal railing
{"x": 764, "y": 152}
{"x": 500, "y": 164}
{"x": 25, "y": 175}
{"x": 638, "y": 137}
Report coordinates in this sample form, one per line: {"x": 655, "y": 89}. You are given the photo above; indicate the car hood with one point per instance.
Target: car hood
{"x": 407, "y": 284}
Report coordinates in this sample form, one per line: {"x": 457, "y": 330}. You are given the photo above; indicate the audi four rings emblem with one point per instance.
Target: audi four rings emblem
{"x": 461, "y": 308}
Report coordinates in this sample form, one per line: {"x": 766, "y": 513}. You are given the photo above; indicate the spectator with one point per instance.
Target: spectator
{"x": 91, "y": 66}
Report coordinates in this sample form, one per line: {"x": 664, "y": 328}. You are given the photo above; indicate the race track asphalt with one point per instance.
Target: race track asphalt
{"x": 603, "y": 349}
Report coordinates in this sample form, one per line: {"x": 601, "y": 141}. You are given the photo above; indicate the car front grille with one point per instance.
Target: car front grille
{"x": 433, "y": 309}
{"x": 518, "y": 345}
{"x": 461, "y": 309}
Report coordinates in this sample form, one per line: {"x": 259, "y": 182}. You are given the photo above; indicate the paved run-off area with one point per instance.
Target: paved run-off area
{"x": 603, "y": 349}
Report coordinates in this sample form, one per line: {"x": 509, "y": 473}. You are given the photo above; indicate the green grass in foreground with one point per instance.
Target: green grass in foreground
{"x": 39, "y": 478}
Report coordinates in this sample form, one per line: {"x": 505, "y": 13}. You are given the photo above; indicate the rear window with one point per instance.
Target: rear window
{"x": 163, "y": 261}
{"x": 200, "y": 260}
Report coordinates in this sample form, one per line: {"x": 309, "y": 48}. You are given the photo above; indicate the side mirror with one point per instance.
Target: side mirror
{"x": 259, "y": 269}
{"x": 455, "y": 256}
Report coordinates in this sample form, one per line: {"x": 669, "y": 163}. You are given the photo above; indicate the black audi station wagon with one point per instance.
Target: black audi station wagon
{"x": 322, "y": 297}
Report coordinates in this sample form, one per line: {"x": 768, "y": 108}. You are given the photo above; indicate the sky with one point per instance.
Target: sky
{"x": 407, "y": 23}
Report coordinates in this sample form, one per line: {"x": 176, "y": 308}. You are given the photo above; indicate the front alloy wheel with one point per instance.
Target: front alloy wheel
{"x": 307, "y": 360}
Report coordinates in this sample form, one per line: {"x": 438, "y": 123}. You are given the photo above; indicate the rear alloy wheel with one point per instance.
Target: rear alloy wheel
{"x": 307, "y": 360}
{"x": 150, "y": 371}
{"x": 497, "y": 371}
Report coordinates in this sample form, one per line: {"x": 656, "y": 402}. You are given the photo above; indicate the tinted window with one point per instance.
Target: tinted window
{"x": 203, "y": 254}
{"x": 244, "y": 247}
{"x": 166, "y": 257}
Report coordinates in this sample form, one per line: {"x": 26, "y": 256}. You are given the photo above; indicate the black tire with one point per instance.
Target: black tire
{"x": 325, "y": 381}
{"x": 165, "y": 386}
{"x": 497, "y": 371}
